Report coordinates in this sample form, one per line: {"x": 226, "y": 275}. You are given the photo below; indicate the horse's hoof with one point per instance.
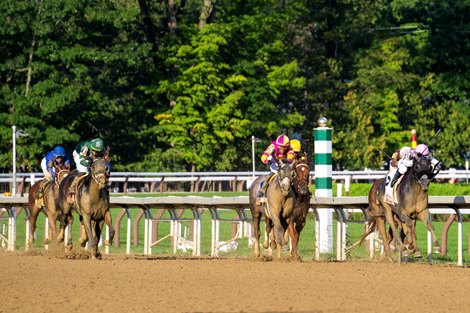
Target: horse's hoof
{"x": 417, "y": 255}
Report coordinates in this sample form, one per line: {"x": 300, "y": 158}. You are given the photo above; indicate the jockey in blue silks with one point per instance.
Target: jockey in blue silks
{"x": 56, "y": 157}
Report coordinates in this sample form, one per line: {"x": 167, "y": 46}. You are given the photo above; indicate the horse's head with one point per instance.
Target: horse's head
{"x": 302, "y": 178}
{"x": 422, "y": 170}
{"x": 61, "y": 171}
{"x": 286, "y": 174}
{"x": 99, "y": 172}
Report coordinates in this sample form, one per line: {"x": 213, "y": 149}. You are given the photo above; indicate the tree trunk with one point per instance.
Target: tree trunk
{"x": 207, "y": 13}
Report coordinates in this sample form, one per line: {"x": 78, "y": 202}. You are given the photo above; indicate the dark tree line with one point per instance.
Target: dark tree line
{"x": 182, "y": 85}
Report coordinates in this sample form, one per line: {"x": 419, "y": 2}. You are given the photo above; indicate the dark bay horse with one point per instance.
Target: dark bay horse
{"x": 302, "y": 204}
{"x": 412, "y": 204}
{"x": 46, "y": 203}
{"x": 91, "y": 203}
{"x": 278, "y": 209}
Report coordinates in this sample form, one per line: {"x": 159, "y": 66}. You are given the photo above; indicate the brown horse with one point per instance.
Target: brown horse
{"x": 278, "y": 209}
{"x": 302, "y": 204}
{"x": 91, "y": 203}
{"x": 412, "y": 204}
{"x": 47, "y": 204}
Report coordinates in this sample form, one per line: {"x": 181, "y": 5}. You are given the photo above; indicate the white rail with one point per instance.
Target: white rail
{"x": 438, "y": 205}
{"x": 162, "y": 178}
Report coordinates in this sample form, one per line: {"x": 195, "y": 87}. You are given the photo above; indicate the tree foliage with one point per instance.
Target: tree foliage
{"x": 183, "y": 85}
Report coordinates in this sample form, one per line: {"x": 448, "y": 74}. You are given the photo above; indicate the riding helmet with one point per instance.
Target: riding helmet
{"x": 422, "y": 149}
{"x": 97, "y": 144}
{"x": 58, "y": 151}
{"x": 282, "y": 141}
{"x": 295, "y": 145}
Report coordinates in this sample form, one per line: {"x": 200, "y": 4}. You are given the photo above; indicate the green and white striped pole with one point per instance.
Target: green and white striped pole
{"x": 323, "y": 184}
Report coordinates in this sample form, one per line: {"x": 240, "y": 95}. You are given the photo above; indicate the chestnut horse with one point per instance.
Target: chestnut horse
{"x": 302, "y": 204}
{"x": 47, "y": 204}
{"x": 91, "y": 203}
{"x": 412, "y": 204}
{"x": 279, "y": 208}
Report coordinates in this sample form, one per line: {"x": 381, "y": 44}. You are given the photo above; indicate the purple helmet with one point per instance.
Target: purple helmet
{"x": 422, "y": 149}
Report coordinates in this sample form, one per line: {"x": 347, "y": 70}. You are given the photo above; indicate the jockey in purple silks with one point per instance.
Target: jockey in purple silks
{"x": 277, "y": 150}
{"x": 406, "y": 161}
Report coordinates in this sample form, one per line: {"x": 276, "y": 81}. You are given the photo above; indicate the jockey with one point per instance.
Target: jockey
{"x": 423, "y": 150}
{"x": 403, "y": 164}
{"x": 297, "y": 148}
{"x": 53, "y": 158}
{"x": 277, "y": 150}
{"x": 84, "y": 155}
{"x": 48, "y": 165}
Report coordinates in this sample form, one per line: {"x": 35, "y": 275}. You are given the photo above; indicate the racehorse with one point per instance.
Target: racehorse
{"x": 278, "y": 209}
{"x": 302, "y": 204}
{"x": 47, "y": 203}
{"x": 91, "y": 203}
{"x": 412, "y": 204}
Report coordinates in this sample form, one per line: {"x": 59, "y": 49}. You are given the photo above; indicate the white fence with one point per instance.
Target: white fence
{"x": 438, "y": 205}
{"x": 208, "y": 181}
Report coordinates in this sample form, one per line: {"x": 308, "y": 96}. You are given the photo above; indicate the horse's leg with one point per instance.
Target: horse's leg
{"x": 109, "y": 222}
{"x": 256, "y": 217}
{"x": 69, "y": 244}
{"x": 278, "y": 232}
{"x": 267, "y": 232}
{"x": 52, "y": 227}
{"x": 416, "y": 253}
{"x": 93, "y": 242}
{"x": 83, "y": 234}
{"x": 32, "y": 223}
{"x": 380, "y": 224}
{"x": 294, "y": 236}
{"x": 424, "y": 217}
{"x": 98, "y": 229}
{"x": 389, "y": 218}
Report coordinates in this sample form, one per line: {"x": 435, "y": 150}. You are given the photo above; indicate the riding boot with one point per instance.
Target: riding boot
{"x": 40, "y": 192}
{"x": 395, "y": 178}
{"x": 264, "y": 186}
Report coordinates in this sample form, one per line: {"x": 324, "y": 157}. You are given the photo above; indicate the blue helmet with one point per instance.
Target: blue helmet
{"x": 58, "y": 151}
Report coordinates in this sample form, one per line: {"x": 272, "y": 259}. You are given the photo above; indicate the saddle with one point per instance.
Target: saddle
{"x": 264, "y": 199}
{"x": 40, "y": 191}
{"x": 390, "y": 194}
{"x": 73, "y": 199}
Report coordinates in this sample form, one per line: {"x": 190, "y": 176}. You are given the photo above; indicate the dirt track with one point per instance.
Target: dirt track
{"x": 48, "y": 282}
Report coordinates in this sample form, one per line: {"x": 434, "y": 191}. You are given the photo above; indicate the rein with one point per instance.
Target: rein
{"x": 58, "y": 177}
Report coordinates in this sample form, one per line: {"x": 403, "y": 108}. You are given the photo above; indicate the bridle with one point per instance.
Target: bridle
{"x": 302, "y": 180}
{"x": 97, "y": 175}
{"x": 285, "y": 177}
{"x": 422, "y": 171}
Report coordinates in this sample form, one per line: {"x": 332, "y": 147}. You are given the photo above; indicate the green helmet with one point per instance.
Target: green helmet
{"x": 97, "y": 144}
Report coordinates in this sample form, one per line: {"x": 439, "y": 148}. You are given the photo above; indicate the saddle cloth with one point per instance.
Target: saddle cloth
{"x": 390, "y": 194}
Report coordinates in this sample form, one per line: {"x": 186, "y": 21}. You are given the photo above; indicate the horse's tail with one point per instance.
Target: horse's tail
{"x": 371, "y": 223}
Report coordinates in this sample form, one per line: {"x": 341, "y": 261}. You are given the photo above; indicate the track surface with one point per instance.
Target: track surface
{"x": 50, "y": 282}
